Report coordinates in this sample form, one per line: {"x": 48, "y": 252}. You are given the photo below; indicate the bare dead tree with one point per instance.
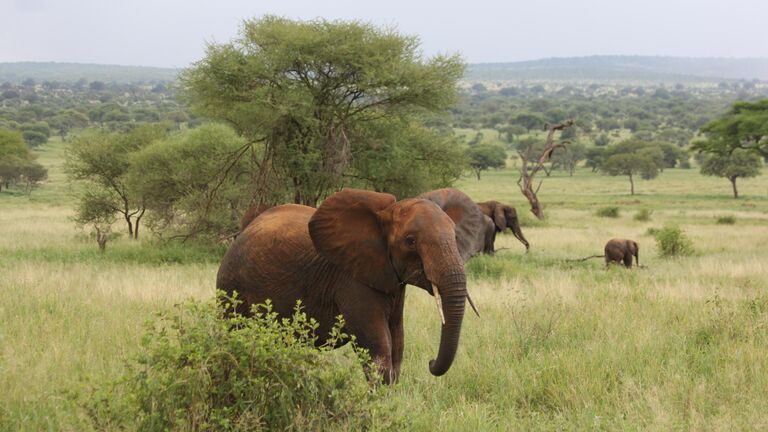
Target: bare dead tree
{"x": 528, "y": 173}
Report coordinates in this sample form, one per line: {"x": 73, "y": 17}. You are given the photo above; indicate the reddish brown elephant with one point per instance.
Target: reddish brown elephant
{"x": 504, "y": 217}
{"x": 353, "y": 256}
{"x": 622, "y": 250}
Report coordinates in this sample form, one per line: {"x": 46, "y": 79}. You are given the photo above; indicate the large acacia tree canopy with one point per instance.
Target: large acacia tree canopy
{"x": 745, "y": 126}
{"x": 305, "y": 91}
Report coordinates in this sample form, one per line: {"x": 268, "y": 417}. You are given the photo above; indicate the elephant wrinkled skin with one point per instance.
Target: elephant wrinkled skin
{"x": 353, "y": 256}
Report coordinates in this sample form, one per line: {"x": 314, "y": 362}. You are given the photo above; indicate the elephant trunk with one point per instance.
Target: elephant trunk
{"x": 519, "y": 234}
{"x": 453, "y": 292}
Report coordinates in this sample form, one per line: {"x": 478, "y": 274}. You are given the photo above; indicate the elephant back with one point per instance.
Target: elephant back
{"x": 263, "y": 257}
{"x": 469, "y": 219}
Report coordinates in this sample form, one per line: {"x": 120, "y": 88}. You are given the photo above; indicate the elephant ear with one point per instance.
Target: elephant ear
{"x": 499, "y": 218}
{"x": 346, "y": 231}
{"x": 469, "y": 220}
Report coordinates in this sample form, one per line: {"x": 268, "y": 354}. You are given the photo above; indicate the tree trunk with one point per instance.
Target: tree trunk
{"x": 631, "y": 185}
{"x": 130, "y": 224}
{"x": 733, "y": 184}
{"x": 138, "y": 219}
{"x": 478, "y": 174}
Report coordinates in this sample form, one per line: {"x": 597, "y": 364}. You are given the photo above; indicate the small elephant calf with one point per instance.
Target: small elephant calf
{"x": 618, "y": 250}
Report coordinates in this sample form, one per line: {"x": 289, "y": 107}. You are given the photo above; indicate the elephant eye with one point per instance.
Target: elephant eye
{"x": 410, "y": 241}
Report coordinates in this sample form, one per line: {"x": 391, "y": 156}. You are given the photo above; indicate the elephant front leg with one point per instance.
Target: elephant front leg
{"x": 380, "y": 350}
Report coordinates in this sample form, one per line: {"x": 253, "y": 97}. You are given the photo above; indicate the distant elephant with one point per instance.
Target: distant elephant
{"x": 471, "y": 225}
{"x": 618, "y": 250}
{"x": 353, "y": 256}
{"x": 504, "y": 217}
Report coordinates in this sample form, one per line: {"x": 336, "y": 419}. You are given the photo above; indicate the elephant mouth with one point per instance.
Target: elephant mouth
{"x": 419, "y": 278}
{"x": 434, "y": 291}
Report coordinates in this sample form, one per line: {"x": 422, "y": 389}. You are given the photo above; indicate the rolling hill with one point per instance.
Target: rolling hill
{"x": 623, "y": 68}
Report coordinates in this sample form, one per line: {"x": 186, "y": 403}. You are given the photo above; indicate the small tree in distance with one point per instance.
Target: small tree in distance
{"x": 740, "y": 163}
{"x": 96, "y": 210}
{"x": 485, "y": 156}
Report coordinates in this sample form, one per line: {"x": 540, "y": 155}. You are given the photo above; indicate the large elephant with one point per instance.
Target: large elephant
{"x": 504, "y": 217}
{"x": 622, "y": 250}
{"x": 472, "y": 226}
{"x": 353, "y": 256}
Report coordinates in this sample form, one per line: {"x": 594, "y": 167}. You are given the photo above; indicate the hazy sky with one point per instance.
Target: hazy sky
{"x": 173, "y": 32}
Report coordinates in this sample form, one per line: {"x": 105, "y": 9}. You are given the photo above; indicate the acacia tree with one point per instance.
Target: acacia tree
{"x": 485, "y": 156}
{"x": 528, "y": 173}
{"x": 302, "y": 94}
{"x": 17, "y": 163}
{"x": 101, "y": 160}
{"x": 631, "y": 158}
{"x": 745, "y": 127}
{"x": 740, "y": 163}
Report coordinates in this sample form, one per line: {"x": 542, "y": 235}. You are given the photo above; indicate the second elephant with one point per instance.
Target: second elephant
{"x": 503, "y": 217}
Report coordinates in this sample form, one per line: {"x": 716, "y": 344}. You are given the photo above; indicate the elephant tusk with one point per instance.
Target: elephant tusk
{"x": 439, "y": 303}
{"x": 471, "y": 303}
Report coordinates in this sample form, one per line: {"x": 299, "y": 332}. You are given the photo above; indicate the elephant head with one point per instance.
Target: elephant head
{"x": 384, "y": 244}
{"x": 504, "y": 217}
{"x": 634, "y": 249}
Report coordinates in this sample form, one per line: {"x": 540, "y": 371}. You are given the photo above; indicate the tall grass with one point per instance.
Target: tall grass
{"x": 561, "y": 345}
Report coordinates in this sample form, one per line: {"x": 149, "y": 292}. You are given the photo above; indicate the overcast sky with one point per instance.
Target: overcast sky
{"x": 172, "y": 33}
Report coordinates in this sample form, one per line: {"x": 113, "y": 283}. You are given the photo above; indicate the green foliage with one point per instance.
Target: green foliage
{"x": 608, "y": 212}
{"x": 633, "y": 157}
{"x": 528, "y": 121}
{"x": 306, "y": 92}
{"x": 204, "y": 367}
{"x": 745, "y": 127}
{"x": 485, "y": 156}
{"x": 671, "y": 241}
{"x": 406, "y": 161}
{"x": 17, "y": 163}
{"x": 738, "y": 164}
{"x": 726, "y": 220}
{"x": 643, "y": 215}
{"x": 179, "y": 182}
{"x": 567, "y": 158}
{"x": 101, "y": 161}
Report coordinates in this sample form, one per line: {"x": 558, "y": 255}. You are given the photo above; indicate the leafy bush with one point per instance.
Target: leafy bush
{"x": 672, "y": 241}
{"x": 643, "y": 215}
{"x": 609, "y": 212}
{"x": 204, "y": 367}
{"x": 726, "y": 220}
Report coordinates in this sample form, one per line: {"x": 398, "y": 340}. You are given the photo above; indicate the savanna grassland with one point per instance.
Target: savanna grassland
{"x": 680, "y": 344}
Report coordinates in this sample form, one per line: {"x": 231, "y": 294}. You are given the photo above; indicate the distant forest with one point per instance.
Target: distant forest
{"x": 71, "y": 72}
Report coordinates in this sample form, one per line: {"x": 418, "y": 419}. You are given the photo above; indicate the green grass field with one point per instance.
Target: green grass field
{"x": 678, "y": 345}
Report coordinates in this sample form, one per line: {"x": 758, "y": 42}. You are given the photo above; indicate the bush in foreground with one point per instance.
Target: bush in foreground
{"x": 672, "y": 241}
{"x": 202, "y": 369}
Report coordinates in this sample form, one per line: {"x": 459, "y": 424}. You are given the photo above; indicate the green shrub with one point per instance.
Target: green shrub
{"x": 643, "y": 215}
{"x": 726, "y": 220}
{"x": 609, "y": 212}
{"x": 203, "y": 367}
{"x": 672, "y": 241}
